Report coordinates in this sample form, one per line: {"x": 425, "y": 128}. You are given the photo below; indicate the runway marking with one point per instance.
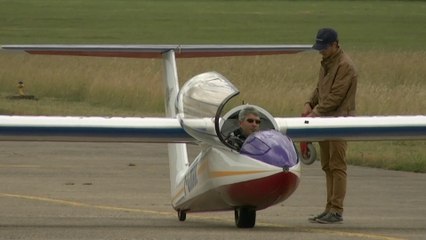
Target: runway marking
{"x": 137, "y": 210}
{"x": 79, "y": 204}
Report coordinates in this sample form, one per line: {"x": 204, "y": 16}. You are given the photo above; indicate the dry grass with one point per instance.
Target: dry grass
{"x": 390, "y": 83}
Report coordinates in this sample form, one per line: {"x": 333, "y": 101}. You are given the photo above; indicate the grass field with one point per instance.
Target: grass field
{"x": 362, "y": 24}
{"x": 384, "y": 38}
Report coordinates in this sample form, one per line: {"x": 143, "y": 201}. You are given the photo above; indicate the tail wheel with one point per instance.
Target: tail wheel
{"x": 245, "y": 217}
{"x": 181, "y": 215}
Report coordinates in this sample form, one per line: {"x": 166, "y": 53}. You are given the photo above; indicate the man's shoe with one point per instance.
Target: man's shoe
{"x": 330, "y": 218}
{"x": 314, "y": 218}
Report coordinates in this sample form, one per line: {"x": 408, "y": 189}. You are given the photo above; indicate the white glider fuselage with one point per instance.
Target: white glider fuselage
{"x": 223, "y": 179}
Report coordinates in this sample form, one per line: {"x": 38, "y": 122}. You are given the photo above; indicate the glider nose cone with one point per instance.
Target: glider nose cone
{"x": 271, "y": 147}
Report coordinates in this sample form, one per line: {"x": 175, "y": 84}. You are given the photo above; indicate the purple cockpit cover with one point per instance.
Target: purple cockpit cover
{"x": 271, "y": 147}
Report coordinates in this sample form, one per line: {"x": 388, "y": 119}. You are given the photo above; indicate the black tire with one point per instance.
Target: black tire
{"x": 311, "y": 156}
{"x": 245, "y": 217}
{"x": 181, "y": 215}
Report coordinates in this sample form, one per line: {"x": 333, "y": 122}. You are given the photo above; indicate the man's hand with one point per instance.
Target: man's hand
{"x": 307, "y": 109}
{"x": 312, "y": 114}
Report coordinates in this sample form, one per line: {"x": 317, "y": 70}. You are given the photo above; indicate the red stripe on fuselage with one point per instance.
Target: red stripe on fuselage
{"x": 264, "y": 192}
{"x": 260, "y": 194}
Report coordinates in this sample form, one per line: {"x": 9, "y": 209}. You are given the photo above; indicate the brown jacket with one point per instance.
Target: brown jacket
{"x": 336, "y": 88}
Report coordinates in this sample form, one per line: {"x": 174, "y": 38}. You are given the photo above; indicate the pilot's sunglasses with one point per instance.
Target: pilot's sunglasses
{"x": 253, "y": 120}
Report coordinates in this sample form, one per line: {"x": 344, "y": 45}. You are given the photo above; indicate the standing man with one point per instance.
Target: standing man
{"x": 333, "y": 96}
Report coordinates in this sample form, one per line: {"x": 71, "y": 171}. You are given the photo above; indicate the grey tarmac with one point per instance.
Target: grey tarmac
{"x": 122, "y": 191}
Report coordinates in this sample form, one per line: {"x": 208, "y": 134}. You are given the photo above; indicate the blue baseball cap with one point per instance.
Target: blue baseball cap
{"x": 324, "y": 38}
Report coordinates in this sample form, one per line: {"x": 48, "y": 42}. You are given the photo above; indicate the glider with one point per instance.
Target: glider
{"x": 267, "y": 169}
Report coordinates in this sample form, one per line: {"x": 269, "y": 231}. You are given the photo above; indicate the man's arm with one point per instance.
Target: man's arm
{"x": 311, "y": 103}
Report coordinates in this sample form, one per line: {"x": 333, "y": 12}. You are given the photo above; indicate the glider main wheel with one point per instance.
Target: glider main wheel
{"x": 181, "y": 215}
{"x": 310, "y": 155}
{"x": 245, "y": 217}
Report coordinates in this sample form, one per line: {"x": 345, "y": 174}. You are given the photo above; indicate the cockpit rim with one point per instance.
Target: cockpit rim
{"x": 220, "y": 121}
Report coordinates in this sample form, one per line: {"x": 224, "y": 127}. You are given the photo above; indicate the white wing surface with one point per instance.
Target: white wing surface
{"x": 169, "y": 130}
{"x": 92, "y": 129}
{"x": 354, "y": 128}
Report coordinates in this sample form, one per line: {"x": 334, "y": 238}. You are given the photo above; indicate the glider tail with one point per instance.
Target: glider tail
{"x": 178, "y": 157}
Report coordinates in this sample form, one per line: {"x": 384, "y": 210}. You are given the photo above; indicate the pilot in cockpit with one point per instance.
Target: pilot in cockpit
{"x": 249, "y": 122}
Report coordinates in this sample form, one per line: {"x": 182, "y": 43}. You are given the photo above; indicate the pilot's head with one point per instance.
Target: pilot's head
{"x": 249, "y": 119}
